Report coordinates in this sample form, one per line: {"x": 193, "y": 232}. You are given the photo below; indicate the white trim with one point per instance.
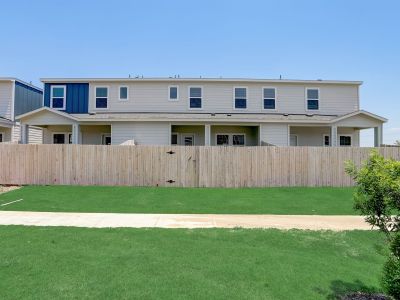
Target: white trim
{"x": 297, "y": 140}
{"x": 52, "y": 110}
{"x": 262, "y": 98}
{"x": 187, "y": 134}
{"x": 306, "y": 99}
{"x": 64, "y": 96}
{"x": 14, "y": 86}
{"x": 323, "y": 140}
{"x": 348, "y": 135}
{"x": 202, "y": 97}
{"x": 234, "y": 97}
{"x": 359, "y": 112}
{"x": 119, "y": 93}
{"x": 230, "y": 139}
{"x": 66, "y": 137}
{"x": 177, "y": 93}
{"x": 95, "y": 97}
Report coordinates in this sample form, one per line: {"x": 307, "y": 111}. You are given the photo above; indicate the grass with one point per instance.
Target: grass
{"x": 301, "y": 201}
{"x": 81, "y": 263}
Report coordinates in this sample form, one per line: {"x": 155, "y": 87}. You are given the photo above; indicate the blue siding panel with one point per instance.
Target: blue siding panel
{"x": 27, "y": 98}
{"x": 77, "y": 97}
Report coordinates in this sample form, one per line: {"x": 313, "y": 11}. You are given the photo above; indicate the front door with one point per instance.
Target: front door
{"x": 188, "y": 139}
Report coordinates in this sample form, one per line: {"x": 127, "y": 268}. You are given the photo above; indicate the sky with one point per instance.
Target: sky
{"x": 336, "y": 40}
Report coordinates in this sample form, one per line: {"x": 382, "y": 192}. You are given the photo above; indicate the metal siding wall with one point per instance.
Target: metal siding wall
{"x": 26, "y": 98}
{"x": 77, "y": 97}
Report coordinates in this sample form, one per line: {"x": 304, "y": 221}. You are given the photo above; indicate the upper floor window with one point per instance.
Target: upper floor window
{"x": 240, "y": 98}
{"x": 101, "y": 97}
{"x": 269, "y": 95}
{"x": 123, "y": 93}
{"x": 312, "y": 99}
{"x": 195, "y": 98}
{"x": 57, "y": 100}
{"x": 173, "y": 93}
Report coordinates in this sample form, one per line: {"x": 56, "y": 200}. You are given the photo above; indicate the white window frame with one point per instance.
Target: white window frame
{"x": 186, "y": 134}
{"x": 177, "y": 94}
{"x": 64, "y": 96}
{"x": 2, "y": 137}
{"x": 230, "y": 139}
{"x": 323, "y": 140}
{"x": 202, "y": 97}
{"x": 119, "y": 93}
{"x": 234, "y": 97}
{"x": 177, "y": 138}
{"x": 297, "y": 140}
{"x": 262, "y": 98}
{"x": 103, "y": 137}
{"x": 95, "y": 97}
{"x": 348, "y": 135}
{"x": 306, "y": 99}
{"x": 66, "y": 137}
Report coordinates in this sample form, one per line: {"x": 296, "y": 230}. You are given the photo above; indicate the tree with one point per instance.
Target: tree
{"x": 397, "y": 143}
{"x": 377, "y": 196}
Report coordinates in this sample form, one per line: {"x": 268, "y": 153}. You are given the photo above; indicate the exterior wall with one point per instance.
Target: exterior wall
{"x": 274, "y": 134}
{"x": 92, "y": 135}
{"x": 48, "y": 132}
{"x": 355, "y": 135}
{"x": 313, "y": 136}
{"x": 250, "y": 132}
{"x": 26, "y": 98}
{"x": 6, "y": 96}
{"x": 35, "y": 135}
{"x": 76, "y": 97}
{"x": 6, "y": 134}
{"x": 143, "y": 133}
{"x": 335, "y": 99}
{"x": 197, "y": 130}
{"x": 47, "y": 118}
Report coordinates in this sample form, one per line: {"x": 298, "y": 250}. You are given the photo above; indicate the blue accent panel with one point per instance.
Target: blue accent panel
{"x": 29, "y": 88}
{"x": 77, "y": 97}
{"x": 27, "y": 98}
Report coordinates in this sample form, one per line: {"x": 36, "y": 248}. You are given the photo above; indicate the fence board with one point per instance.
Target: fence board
{"x": 204, "y": 166}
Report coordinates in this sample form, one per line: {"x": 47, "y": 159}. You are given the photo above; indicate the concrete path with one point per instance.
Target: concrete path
{"x": 106, "y": 220}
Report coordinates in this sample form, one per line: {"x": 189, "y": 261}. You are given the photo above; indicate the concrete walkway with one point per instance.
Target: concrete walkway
{"x": 107, "y": 220}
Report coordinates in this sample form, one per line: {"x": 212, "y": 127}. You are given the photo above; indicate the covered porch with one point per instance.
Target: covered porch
{"x": 5, "y": 130}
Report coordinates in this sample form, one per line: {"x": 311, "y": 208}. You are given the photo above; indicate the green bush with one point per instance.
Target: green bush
{"x": 391, "y": 277}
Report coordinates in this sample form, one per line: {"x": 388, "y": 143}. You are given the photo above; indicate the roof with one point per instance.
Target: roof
{"x": 6, "y": 122}
{"x": 12, "y": 79}
{"x": 175, "y": 79}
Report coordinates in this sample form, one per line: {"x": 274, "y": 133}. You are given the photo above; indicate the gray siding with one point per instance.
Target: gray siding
{"x": 143, "y": 133}
{"x": 6, "y": 95}
{"x": 26, "y": 99}
{"x": 274, "y": 134}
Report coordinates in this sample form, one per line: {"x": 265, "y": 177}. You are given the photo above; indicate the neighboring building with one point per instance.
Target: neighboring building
{"x": 202, "y": 111}
{"x": 18, "y": 97}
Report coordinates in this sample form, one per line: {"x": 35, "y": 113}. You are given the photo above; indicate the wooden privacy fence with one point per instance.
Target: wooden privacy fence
{"x": 201, "y": 166}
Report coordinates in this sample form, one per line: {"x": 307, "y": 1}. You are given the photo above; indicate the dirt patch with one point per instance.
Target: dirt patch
{"x": 5, "y": 189}
{"x": 364, "y": 296}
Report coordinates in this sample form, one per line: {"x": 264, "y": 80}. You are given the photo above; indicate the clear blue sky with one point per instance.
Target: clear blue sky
{"x": 341, "y": 39}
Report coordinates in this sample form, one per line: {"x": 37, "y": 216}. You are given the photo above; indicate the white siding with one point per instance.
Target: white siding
{"x": 143, "y": 133}
{"x": 35, "y": 135}
{"x": 6, "y": 94}
{"x": 16, "y": 133}
{"x": 335, "y": 99}
{"x": 274, "y": 134}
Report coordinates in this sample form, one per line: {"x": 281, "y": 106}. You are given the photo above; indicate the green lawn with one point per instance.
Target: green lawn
{"x": 78, "y": 263}
{"x": 322, "y": 201}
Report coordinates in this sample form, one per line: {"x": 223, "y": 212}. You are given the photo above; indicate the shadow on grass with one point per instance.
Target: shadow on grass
{"x": 339, "y": 288}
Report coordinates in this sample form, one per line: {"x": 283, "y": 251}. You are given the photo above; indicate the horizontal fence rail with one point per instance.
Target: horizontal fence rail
{"x": 197, "y": 166}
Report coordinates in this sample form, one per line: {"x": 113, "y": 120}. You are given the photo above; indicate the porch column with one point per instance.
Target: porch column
{"x": 75, "y": 133}
{"x": 334, "y": 141}
{"x": 207, "y": 135}
{"x": 378, "y": 136}
{"x": 24, "y": 133}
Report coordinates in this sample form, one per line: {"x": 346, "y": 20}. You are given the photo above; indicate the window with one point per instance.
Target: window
{"x": 238, "y": 140}
{"x": 269, "y": 95}
{"x": 70, "y": 138}
{"x": 327, "y": 140}
{"x": 240, "y": 98}
{"x": 123, "y": 93}
{"x": 293, "y": 140}
{"x": 173, "y": 93}
{"x": 195, "y": 98}
{"x": 1, "y": 137}
{"x": 101, "y": 97}
{"x": 345, "y": 140}
{"x": 312, "y": 99}
{"x": 188, "y": 139}
{"x": 57, "y": 96}
{"x": 62, "y": 138}
{"x": 225, "y": 139}
{"x": 174, "y": 139}
{"x": 106, "y": 139}
{"x": 222, "y": 139}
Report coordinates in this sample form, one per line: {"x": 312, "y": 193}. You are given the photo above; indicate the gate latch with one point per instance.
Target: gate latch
{"x": 170, "y": 152}
{"x": 170, "y": 181}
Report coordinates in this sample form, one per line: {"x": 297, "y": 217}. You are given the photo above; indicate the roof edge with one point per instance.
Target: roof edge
{"x": 45, "y": 108}
{"x": 364, "y": 112}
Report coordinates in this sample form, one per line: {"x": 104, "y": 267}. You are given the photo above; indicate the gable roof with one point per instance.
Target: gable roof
{"x": 360, "y": 112}
{"x": 6, "y": 122}
{"x": 45, "y": 108}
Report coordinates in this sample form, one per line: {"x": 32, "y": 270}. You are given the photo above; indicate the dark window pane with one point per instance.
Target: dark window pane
{"x": 195, "y": 92}
{"x": 222, "y": 139}
{"x": 123, "y": 92}
{"x": 1, "y": 137}
{"x": 58, "y": 92}
{"x": 327, "y": 140}
{"x": 59, "y": 138}
{"x": 195, "y": 102}
{"x": 101, "y": 92}
{"x": 101, "y": 102}
{"x": 240, "y": 103}
{"x": 269, "y": 93}
{"x": 269, "y": 103}
{"x": 174, "y": 139}
{"x": 188, "y": 141}
{"x": 238, "y": 140}
{"x": 70, "y": 138}
{"x": 58, "y": 102}
{"x": 240, "y": 93}
{"x": 312, "y": 104}
{"x": 345, "y": 141}
{"x": 312, "y": 94}
{"x": 173, "y": 92}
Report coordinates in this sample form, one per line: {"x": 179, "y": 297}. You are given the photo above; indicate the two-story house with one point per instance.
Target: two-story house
{"x": 202, "y": 111}
{"x": 18, "y": 97}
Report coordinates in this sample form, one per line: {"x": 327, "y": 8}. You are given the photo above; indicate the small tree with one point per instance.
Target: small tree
{"x": 397, "y": 143}
{"x": 377, "y": 196}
